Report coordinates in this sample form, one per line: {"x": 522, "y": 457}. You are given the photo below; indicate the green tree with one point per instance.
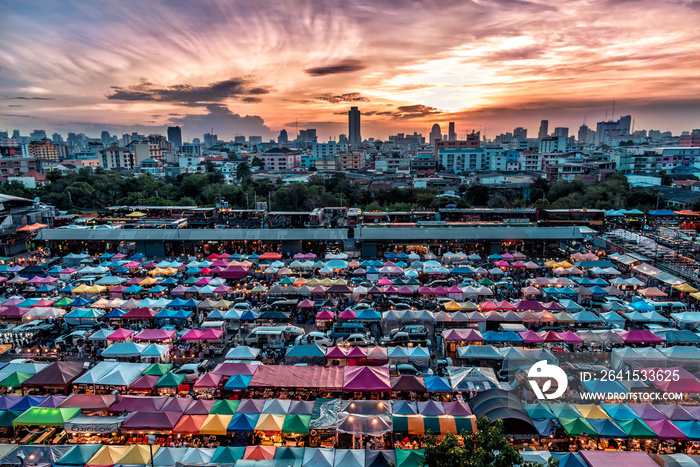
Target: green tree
{"x": 539, "y": 189}
{"x": 486, "y": 447}
{"x": 477, "y": 194}
{"x": 257, "y": 162}
{"x": 243, "y": 171}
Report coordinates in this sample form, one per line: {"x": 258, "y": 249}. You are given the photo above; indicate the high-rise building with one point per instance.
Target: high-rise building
{"x": 104, "y": 137}
{"x": 354, "y": 132}
{"x": 15, "y": 134}
{"x": 613, "y": 131}
{"x": 46, "y": 151}
{"x": 175, "y": 136}
{"x": 56, "y": 138}
{"x": 561, "y": 131}
{"x": 37, "y": 135}
{"x": 690, "y": 140}
{"x": 210, "y": 140}
{"x": 544, "y": 129}
{"x": 435, "y": 134}
{"x": 283, "y": 138}
{"x": 451, "y": 135}
{"x": 520, "y": 132}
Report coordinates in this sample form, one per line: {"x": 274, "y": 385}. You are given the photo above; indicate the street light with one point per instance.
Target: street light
{"x": 151, "y": 442}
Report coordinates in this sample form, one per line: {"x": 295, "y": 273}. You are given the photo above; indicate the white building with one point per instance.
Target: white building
{"x": 331, "y": 148}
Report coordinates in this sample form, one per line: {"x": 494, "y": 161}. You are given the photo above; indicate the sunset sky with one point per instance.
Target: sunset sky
{"x": 254, "y": 67}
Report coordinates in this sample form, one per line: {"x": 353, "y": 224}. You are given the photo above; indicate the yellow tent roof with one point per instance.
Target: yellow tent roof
{"x": 94, "y": 289}
{"x": 313, "y": 282}
{"x": 136, "y": 214}
{"x": 327, "y": 282}
{"x": 82, "y": 288}
{"x": 215, "y": 424}
{"x": 551, "y": 264}
{"x": 108, "y": 455}
{"x": 299, "y": 281}
{"x": 138, "y": 454}
{"x": 170, "y": 271}
{"x": 340, "y": 282}
{"x": 565, "y": 264}
{"x": 695, "y": 295}
{"x": 685, "y": 288}
{"x": 270, "y": 423}
{"x": 452, "y": 306}
{"x": 149, "y": 281}
{"x": 592, "y": 411}
{"x": 469, "y": 305}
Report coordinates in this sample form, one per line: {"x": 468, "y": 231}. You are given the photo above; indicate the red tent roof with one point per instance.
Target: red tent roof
{"x": 366, "y": 379}
{"x": 285, "y": 376}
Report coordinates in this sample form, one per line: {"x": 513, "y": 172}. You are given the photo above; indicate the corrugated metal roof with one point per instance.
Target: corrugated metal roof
{"x": 185, "y": 235}
{"x": 468, "y": 233}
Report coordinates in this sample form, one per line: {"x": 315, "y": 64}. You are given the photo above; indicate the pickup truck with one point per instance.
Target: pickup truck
{"x": 408, "y": 335}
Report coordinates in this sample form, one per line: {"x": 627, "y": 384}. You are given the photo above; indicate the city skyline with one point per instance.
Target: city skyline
{"x": 239, "y": 68}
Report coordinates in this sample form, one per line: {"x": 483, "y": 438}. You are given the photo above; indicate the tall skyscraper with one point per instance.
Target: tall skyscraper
{"x": 520, "y": 131}
{"x": 283, "y": 138}
{"x": 435, "y": 134}
{"x": 613, "y": 131}
{"x": 544, "y": 129}
{"x": 105, "y": 138}
{"x": 561, "y": 131}
{"x": 451, "y": 135}
{"x": 175, "y": 136}
{"x": 354, "y": 132}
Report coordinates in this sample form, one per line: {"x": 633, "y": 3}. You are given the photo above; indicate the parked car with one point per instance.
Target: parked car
{"x": 192, "y": 372}
{"x": 314, "y": 337}
{"x": 354, "y": 340}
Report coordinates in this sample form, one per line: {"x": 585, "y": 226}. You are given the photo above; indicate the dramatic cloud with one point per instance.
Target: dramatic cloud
{"x": 347, "y": 97}
{"x": 405, "y": 64}
{"x": 346, "y": 66}
{"x": 186, "y": 93}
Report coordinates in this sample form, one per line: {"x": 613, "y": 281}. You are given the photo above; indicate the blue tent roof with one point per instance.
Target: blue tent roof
{"x": 249, "y": 315}
{"x": 168, "y": 313}
{"x": 238, "y": 383}
{"x": 611, "y": 317}
{"x": 368, "y": 315}
{"x": 607, "y": 428}
{"x": 137, "y": 256}
{"x": 80, "y": 301}
{"x": 462, "y": 270}
{"x": 391, "y": 255}
{"x": 437, "y": 384}
{"x": 690, "y": 428}
{"x": 662, "y": 212}
{"x": 46, "y": 288}
{"x": 495, "y": 256}
{"x": 134, "y": 289}
{"x": 507, "y": 336}
{"x": 641, "y": 305}
{"x": 587, "y": 317}
{"x": 116, "y": 313}
{"x": 570, "y": 459}
{"x": 243, "y": 423}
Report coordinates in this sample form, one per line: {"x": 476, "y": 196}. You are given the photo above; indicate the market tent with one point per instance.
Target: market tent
{"x": 243, "y": 423}
{"x": 298, "y": 424}
{"x": 242, "y": 352}
{"x": 607, "y": 428}
{"x": 88, "y": 402}
{"x": 58, "y": 375}
{"x": 577, "y": 427}
{"x": 158, "y": 369}
{"x": 349, "y": 458}
{"x": 366, "y": 379}
{"x": 437, "y": 384}
{"x": 160, "y": 422}
{"x": 225, "y": 407}
{"x": 442, "y": 424}
{"x": 636, "y": 428}
{"x": 238, "y": 383}
{"x": 539, "y": 411}
{"x": 45, "y": 416}
{"x": 618, "y": 458}
{"x": 497, "y": 404}
{"x": 410, "y": 457}
{"x": 472, "y": 378}
{"x": 78, "y": 455}
{"x": 200, "y": 407}
{"x": 139, "y": 404}
{"x": 107, "y": 455}
{"x": 168, "y": 457}
{"x": 88, "y": 424}
{"x": 215, "y": 424}
{"x": 138, "y": 454}
{"x": 690, "y": 428}
{"x": 228, "y": 454}
{"x": 666, "y": 429}
{"x": 197, "y": 456}
{"x": 318, "y": 457}
{"x": 377, "y": 458}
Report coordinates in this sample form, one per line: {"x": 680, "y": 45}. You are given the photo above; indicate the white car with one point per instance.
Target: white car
{"x": 191, "y": 372}
{"x": 354, "y": 340}
{"x": 314, "y": 337}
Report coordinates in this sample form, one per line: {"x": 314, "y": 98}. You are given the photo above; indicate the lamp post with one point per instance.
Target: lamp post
{"x": 151, "y": 442}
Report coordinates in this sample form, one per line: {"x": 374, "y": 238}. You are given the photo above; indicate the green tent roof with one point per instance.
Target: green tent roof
{"x": 539, "y": 410}
{"x": 158, "y": 369}
{"x": 636, "y": 428}
{"x": 41, "y": 416}
{"x": 486, "y": 281}
{"x": 8, "y": 416}
{"x": 410, "y": 457}
{"x": 577, "y": 426}
{"x": 79, "y": 454}
{"x": 15, "y": 380}
{"x": 228, "y": 454}
{"x": 225, "y": 407}
{"x": 169, "y": 380}
{"x": 65, "y": 301}
{"x": 296, "y": 424}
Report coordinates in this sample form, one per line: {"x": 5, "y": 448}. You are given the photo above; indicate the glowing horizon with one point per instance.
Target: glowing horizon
{"x": 253, "y": 69}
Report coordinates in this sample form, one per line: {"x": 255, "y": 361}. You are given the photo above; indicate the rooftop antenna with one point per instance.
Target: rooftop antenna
{"x": 612, "y": 117}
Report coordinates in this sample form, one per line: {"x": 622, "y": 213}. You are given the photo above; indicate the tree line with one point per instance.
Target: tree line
{"x": 95, "y": 190}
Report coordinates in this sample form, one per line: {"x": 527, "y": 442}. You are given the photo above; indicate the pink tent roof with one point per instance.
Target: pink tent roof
{"x": 366, "y": 379}
{"x": 488, "y": 306}
{"x": 571, "y": 337}
{"x": 208, "y": 380}
{"x": 230, "y": 369}
{"x": 531, "y": 337}
{"x": 551, "y": 336}
{"x": 286, "y": 376}
{"x": 507, "y": 256}
{"x": 139, "y": 313}
{"x": 466, "y": 335}
{"x": 618, "y": 459}
{"x": 440, "y": 290}
{"x": 211, "y": 334}
{"x": 501, "y": 264}
{"x": 13, "y": 312}
{"x": 686, "y": 381}
{"x": 337, "y": 352}
{"x": 145, "y": 383}
{"x": 384, "y": 281}
{"x": 357, "y": 352}
{"x": 347, "y": 314}
{"x": 529, "y": 305}
{"x": 324, "y": 315}
{"x": 426, "y": 290}
{"x": 454, "y": 290}
{"x": 155, "y": 335}
{"x": 222, "y": 289}
{"x": 553, "y": 306}
{"x": 139, "y": 404}
{"x": 518, "y": 264}
{"x": 390, "y": 290}
{"x": 406, "y": 290}
{"x": 192, "y": 335}
{"x": 306, "y": 304}
{"x": 641, "y": 336}
{"x": 120, "y": 334}
{"x": 505, "y": 305}
{"x": 666, "y": 429}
